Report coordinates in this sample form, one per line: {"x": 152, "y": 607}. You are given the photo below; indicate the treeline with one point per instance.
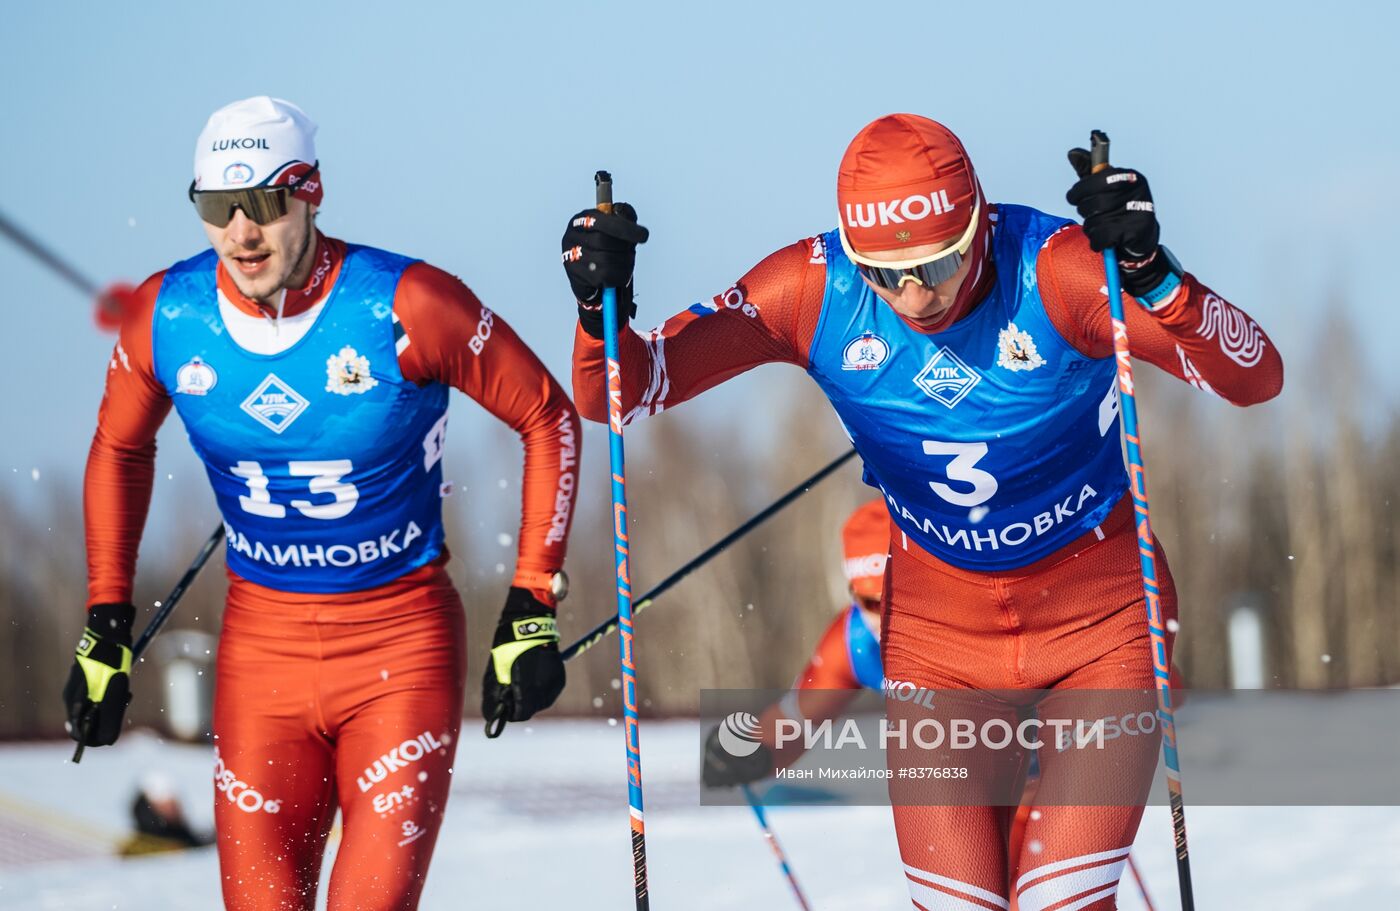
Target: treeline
{"x": 1286, "y": 509}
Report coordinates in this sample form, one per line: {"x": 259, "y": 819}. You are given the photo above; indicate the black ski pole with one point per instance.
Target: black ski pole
{"x": 61, "y": 267}
{"x": 665, "y": 585}
{"x": 110, "y": 303}
{"x": 166, "y": 607}
{"x": 69, "y": 273}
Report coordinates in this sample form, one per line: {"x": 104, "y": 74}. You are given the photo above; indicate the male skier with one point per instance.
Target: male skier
{"x": 967, "y": 350}
{"x": 311, "y": 375}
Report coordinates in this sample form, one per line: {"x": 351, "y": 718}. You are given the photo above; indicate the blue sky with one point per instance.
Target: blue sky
{"x": 466, "y": 136}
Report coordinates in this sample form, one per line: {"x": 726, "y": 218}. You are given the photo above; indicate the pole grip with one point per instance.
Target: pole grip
{"x": 602, "y": 182}
{"x": 1098, "y": 151}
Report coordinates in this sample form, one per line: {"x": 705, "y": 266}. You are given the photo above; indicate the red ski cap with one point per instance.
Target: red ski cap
{"x": 865, "y": 541}
{"x": 904, "y": 181}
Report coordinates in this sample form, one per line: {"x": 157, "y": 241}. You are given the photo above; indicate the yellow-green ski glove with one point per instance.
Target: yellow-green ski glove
{"x": 525, "y": 674}
{"x": 99, "y": 685}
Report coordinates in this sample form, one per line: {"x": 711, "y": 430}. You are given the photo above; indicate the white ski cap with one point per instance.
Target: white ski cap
{"x": 254, "y": 142}
{"x": 157, "y": 786}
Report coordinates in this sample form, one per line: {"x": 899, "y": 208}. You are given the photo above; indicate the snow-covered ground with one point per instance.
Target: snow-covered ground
{"x": 58, "y": 823}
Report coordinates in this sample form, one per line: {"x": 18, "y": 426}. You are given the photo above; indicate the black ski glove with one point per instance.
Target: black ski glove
{"x": 1116, "y": 206}
{"x": 723, "y": 769}
{"x": 99, "y": 685}
{"x": 600, "y": 250}
{"x": 525, "y": 674}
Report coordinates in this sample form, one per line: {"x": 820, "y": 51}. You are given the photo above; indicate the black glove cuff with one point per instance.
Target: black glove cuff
{"x": 520, "y": 603}
{"x": 112, "y": 621}
{"x": 1147, "y": 275}
{"x": 590, "y": 316}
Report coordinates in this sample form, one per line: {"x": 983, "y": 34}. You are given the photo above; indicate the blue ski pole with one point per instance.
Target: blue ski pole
{"x": 616, "y": 462}
{"x": 1137, "y": 473}
{"x": 1141, "y": 884}
{"x": 777, "y": 848}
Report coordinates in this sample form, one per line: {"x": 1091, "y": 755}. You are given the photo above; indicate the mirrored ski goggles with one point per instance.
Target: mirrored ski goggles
{"x": 928, "y": 271}
{"x": 262, "y": 205}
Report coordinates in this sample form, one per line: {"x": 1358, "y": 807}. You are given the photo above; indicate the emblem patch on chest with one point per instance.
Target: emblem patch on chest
{"x": 347, "y": 373}
{"x": 946, "y": 379}
{"x": 1016, "y": 350}
{"x": 274, "y": 404}
{"x": 864, "y": 352}
{"x": 195, "y": 377}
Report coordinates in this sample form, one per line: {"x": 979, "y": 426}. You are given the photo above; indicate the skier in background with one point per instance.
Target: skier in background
{"x": 967, "y": 349}
{"x": 312, "y": 377}
{"x": 846, "y": 659}
{"x": 159, "y": 820}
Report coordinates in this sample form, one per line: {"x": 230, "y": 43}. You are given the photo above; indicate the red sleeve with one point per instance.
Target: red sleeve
{"x": 122, "y": 460}
{"x": 768, "y": 315}
{"x": 822, "y": 690}
{"x": 449, "y": 337}
{"x": 829, "y": 668}
{"x": 1195, "y": 335}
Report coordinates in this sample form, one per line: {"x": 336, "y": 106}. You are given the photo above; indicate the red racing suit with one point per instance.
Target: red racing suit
{"x": 1072, "y": 620}
{"x": 350, "y": 700}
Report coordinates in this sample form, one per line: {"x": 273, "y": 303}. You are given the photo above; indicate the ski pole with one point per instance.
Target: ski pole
{"x": 777, "y": 848}
{"x": 1137, "y": 473}
{"x": 607, "y": 626}
{"x": 1142, "y": 886}
{"x": 61, "y": 267}
{"x": 631, "y": 725}
{"x": 166, "y": 608}
{"x": 110, "y": 302}
{"x": 69, "y": 273}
